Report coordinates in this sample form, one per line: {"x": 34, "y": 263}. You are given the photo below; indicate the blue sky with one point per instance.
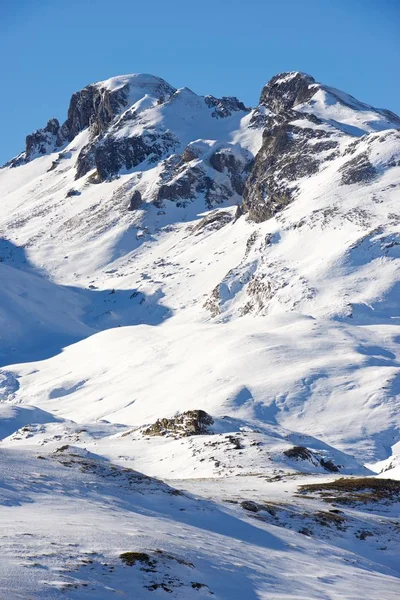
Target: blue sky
{"x": 50, "y": 49}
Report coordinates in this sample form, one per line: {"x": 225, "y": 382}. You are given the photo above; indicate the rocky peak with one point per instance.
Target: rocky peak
{"x": 138, "y": 120}
{"x": 95, "y": 106}
{"x": 40, "y": 142}
{"x": 286, "y": 90}
{"x": 98, "y": 104}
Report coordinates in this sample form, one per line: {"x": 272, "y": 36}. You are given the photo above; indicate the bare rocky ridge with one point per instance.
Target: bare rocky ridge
{"x": 295, "y": 145}
{"x": 195, "y": 151}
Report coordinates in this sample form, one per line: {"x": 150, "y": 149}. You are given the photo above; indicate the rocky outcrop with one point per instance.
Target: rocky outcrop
{"x": 225, "y": 106}
{"x": 289, "y": 151}
{"x": 40, "y": 142}
{"x": 286, "y": 90}
{"x": 135, "y": 201}
{"x": 43, "y": 140}
{"x": 218, "y": 174}
{"x": 191, "y": 422}
{"x": 288, "y": 154}
{"x": 109, "y": 154}
{"x": 93, "y": 106}
{"x": 358, "y": 170}
{"x": 300, "y": 453}
{"x": 238, "y": 166}
{"x": 212, "y": 222}
{"x": 113, "y": 154}
{"x": 296, "y": 144}
{"x": 97, "y": 105}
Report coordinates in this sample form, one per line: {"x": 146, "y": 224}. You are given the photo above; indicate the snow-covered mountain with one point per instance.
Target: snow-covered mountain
{"x": 205, "y": 293}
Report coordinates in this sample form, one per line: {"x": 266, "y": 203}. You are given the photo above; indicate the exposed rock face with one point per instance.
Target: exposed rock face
{"x": 286, "y": 90}
{"x": 109, "y": 152}
{"x": 97, "y": 105}
{"x": 212, "y": 222}
{"x": 183, "y": 185}
{"x": 250, "y": 506}
{"x": 292, "y": 149}
{"x": 40, "y": 142}
{"x": 288, "y": 153}
{"x": 195, "y": 172}
{"x": 135, "y": 201}
{"x": 138, "y": 121}
{"x": 94, "y": 106}
{"x": 224, "y": 106}
{"x": 113, "y": 154}
{"x": 238, "y": 168}
{"x": 43, "y": 140}
{"x": 191, "y": 422}
{"x": 358, "y": 170}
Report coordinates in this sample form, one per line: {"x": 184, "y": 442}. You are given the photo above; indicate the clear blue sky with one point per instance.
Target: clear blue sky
{"x": 51, "y": 48}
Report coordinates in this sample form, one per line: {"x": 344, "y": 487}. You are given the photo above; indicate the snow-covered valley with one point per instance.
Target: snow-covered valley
{"x": 199, "y": 322}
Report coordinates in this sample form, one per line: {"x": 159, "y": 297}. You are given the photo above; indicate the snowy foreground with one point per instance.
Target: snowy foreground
{"x": 194, "y": 403}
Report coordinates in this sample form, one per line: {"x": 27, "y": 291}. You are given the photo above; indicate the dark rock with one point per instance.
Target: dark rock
{"x": 250, "y": 506}
{"x": 224, "y": 159}
{"x": 225, "y": 106}
{"x": 94, "y": 106}
{"x": 298, "y": 453}
{"x": 238, "y": 213}
{"x": 212, "y": 304}
{"x": 288, "y": 153}
{"x": 191, "y": 182}
{"x": 358, "y": 170}
{"x": 185, "y": 188}
{"x": 189, "y": 154}
{"x": 328, "y": 465}
{"x": 110, "y": 154}
{"x": 135, "y": 201}
{"x": 131, "y": 558}
{"x": 97, "y": 106}
{"x": 72, "y": 192}
{"x": 56, "y": 162}
{"x": 182, "y": 180}
{"x": 43, "y": 140}
{"x": 212, "y": 222}
{"x": 301, "y": 453}
{"x": 286, "y": 90}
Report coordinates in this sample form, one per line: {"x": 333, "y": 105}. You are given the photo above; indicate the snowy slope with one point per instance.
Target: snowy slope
{"x": 164, "y": 252}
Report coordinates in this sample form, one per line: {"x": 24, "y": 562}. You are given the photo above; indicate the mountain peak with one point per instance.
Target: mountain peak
{"x": 286, "y": 90}
{"x": 139, "y": 80}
